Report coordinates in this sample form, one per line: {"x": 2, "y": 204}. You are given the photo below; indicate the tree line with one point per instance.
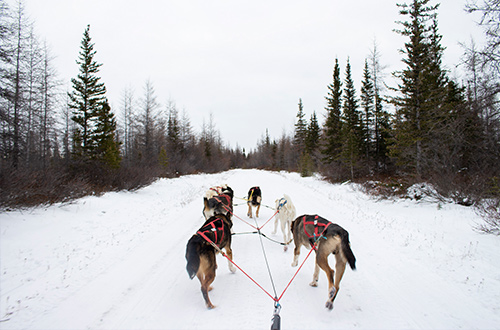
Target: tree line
{"x": 430, "y": 127}
{"x": 56, "y": 145}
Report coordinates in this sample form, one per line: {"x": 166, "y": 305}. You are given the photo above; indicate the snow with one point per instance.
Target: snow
{"x": 117, "y": 262}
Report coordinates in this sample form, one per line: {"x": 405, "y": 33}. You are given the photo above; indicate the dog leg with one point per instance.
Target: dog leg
{"x": 229, "y": 253}
{"x": 314, "y": 282}
{"x": 339, "y": 272}
{"x": 276, "y": 224}
{"x": 322, "y": 260}
{"x": 284, "y": 231}
{"x": 249, "y": 213}
{"x": 296, "y": 253}
{"x": 205, "y": 287}
{"x": 257, "y": 212}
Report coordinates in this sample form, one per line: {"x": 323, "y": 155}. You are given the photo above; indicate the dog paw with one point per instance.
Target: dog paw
{"x": 331, "y": 293}
{"x": 232, "y": 269}
{"x": 285, "y": 248}
{"x": 210, "y": 306}
{"x": 329, "y": 305}
{"x": 294, "y": 264}
{"x": 314, "y": 284}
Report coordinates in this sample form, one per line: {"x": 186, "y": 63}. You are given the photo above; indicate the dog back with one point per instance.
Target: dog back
{"x": 255, "y": 195}
{"x": 217, "y": 229}
{"x": 309, "y": 229}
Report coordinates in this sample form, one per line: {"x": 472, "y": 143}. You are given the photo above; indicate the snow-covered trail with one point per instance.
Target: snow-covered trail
{"x": 117, "y": 261}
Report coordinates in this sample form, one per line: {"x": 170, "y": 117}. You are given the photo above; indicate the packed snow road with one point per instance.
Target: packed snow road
{"x": 117, "y": 262}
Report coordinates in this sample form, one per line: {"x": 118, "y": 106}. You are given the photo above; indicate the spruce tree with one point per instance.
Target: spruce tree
{"x": 417, "y": 101}
{"x": 300, "y": 129}
{"x": 312, "y": 135}
{"x": 351, "y": 129}
{"x": 333, "y": 125}
{"x": 87, "y": 98}
{"x": 382, "y": 133}
{"x": 367, "y": 114}
{"x": 107, "y": 148}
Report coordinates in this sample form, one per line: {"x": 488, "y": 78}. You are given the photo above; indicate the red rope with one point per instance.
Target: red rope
{"x": 259, "y": 228}
{"x": 230, "y": 260}
{"x": 302, "y": 264}
{"x": 273, "y": 298}
{"x": 268, "y": 220}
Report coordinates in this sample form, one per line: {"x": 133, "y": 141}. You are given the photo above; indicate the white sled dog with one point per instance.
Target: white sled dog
{"x": 286, "y": 214}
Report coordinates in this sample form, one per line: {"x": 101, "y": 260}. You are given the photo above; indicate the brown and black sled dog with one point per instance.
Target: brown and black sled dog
{"x": 200, "y": 253}
{"x": 219, "y": 204}
{"x": 326, "y": 238}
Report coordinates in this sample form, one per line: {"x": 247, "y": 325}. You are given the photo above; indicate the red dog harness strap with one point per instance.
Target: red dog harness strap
{"x": 213, "y": 227}
{"x": 317, "y": 224}
{"x": 226, "y": 197}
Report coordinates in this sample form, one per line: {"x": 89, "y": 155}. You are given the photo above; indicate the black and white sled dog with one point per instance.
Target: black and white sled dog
{"x": 221, "y": 203}
{"x": 200, "y": 253}
{"x": 325, "y": 238}
{"x": 254, "y": 198}
{"x": 286, "y": 214}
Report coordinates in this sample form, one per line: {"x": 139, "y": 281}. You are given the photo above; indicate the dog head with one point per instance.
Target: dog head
{"x": 228, "y": 191}
{"x": 280, "y": 203}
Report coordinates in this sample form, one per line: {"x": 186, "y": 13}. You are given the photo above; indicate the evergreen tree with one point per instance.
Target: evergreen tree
{"x": 416, "y": 102}
{"x": 382, "y": 133}
{"x": 300, "y": 129}
{"x": 107, "y": 148}
{"x": 351, "y": 129}
{"x": 87, "y": 97}
{"x": 312, "y": 135}
{"x": 332, "y": 128}
{"x": 367, "y": 115}
{"x": 173, "y": 129}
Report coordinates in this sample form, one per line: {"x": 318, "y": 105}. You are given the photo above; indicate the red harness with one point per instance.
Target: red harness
{"x": 226, "y": 197}
{"x": 214, "y": 227}
{"x": 226, "y": 205}
{"x": 317, "y": 224}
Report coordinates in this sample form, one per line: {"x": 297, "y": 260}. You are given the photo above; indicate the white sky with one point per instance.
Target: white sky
{"x": 245, "y": 61}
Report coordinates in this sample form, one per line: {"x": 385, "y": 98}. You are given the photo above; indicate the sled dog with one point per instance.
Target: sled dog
{"x": 286, "y": 214}
{"x": 254, "y": 198}
{"x": 200, "y": 253}
{"x": 325, "y": 237}
{"x": 219, "y": 204}
{"x": 214, "y": 191}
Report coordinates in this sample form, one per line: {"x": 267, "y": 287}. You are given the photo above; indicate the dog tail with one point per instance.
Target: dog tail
{"x": 193, "y": 255}
{"x": 346, "y": 249}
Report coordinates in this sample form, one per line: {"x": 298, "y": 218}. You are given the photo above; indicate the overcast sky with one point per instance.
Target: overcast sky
{"x": 245, "y": 61}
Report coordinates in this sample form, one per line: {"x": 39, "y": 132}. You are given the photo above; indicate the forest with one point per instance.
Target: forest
{"x": 56, "y": 145}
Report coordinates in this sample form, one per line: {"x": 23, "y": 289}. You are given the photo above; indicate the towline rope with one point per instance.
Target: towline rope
{"x": 248, "y": 200}
{"x": 260, "y": 233}
{"x": 232, "y": 213}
